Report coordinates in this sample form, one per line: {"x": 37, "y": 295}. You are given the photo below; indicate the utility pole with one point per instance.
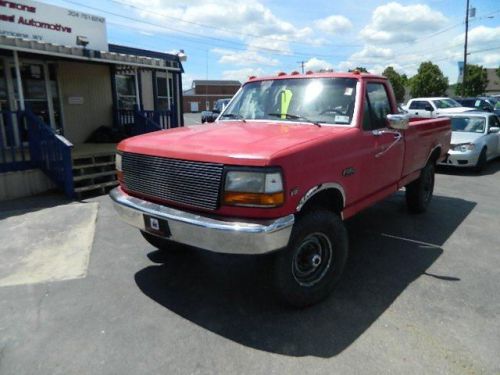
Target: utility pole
{"x": 302, "y": 65}
{"x": 464, "y": 74}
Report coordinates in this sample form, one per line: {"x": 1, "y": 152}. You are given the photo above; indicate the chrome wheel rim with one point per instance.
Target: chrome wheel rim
{"x": 312, "y": 259}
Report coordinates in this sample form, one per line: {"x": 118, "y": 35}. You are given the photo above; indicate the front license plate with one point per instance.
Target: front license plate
{"x": 157, "y": 226}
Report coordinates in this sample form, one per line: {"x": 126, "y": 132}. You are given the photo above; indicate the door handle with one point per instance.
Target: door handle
{"x": 397, "y": 137}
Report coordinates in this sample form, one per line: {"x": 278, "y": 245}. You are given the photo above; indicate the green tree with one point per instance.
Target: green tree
{"x": 498, "y": 71}
{"x": 476, "y": 81}
{"x": 429, "y": 81}
{"x": 362, "y": 69}
{"x": 397, "y": 82}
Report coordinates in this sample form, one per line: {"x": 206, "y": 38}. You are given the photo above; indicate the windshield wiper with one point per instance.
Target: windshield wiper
{"x": 235, "y": 116}
{"x": 294, "y": 117}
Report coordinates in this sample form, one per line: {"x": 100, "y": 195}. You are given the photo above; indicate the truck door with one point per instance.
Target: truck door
{"x": 421, "y": 108}
{"x": 383, "y": 165}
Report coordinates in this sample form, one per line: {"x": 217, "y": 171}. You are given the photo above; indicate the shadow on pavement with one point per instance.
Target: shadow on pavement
{"x": 231, "y": 295}
{"x": 20, "y": 206}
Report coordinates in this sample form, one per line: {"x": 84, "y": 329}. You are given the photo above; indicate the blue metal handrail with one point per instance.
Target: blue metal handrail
{"x": 50, "y": 152}
{"x": 144, "y": 124}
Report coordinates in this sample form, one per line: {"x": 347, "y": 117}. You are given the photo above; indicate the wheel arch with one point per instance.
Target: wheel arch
{"x": 328, "y": 195}
{"x": 434, "y": 154}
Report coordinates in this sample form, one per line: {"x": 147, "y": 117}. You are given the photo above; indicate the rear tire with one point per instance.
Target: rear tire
{"x": 481, "y": 161}
{"x": 419, "y": 192}
{"x": 162, "y": 243}
{"x": 307, "y": 271}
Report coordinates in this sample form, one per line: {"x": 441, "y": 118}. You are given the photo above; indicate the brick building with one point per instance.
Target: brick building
{"x": 203, "y": 94}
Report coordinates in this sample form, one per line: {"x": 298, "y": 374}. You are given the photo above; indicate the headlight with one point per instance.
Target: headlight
{"x": 464, "y": 147}
{"x": 253, "y": 189}
{"x": 118, "y": 162}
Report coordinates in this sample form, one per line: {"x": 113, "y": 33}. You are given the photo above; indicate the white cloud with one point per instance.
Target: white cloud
{"x": 243, "y": 74}
{"x": 396, "y": 23}
{"x": 333, "y": 24}
{"x": 316, "y": 64}
{"x": 370, "y": 53}
{"x": 480, "y": 39}
{"x": 244, "y": 20}
{"x": 243, "y": 58}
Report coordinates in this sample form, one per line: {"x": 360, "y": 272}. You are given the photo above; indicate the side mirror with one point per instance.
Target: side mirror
{"x": 399, "y": 121}
{"x": 494, "y": 129}
{"x": 429, "y": 108}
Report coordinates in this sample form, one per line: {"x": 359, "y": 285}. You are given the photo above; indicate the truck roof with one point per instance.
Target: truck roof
{"x": 297, "y": 75}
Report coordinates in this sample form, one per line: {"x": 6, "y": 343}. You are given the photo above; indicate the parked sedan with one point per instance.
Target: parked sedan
{"x": 434, "y": 107}
{"x": 475, "y": 139}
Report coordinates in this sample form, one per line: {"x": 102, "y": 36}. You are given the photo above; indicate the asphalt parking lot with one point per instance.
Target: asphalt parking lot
{"x": 419, "y": 296}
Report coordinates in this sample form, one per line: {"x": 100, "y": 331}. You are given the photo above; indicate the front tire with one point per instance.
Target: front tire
{"x": 307, "y": 271}
{"x": 419, "y": 192}
{"x": 481, "y": 161}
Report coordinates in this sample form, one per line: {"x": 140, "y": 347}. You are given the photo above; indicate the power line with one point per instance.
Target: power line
{"x": 295, "y": 41}
{"x": 195, "y": 35}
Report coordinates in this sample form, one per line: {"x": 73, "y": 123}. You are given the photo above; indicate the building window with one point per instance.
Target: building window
{"x": 164, "y": 89}
{"x": 125, "y": 91}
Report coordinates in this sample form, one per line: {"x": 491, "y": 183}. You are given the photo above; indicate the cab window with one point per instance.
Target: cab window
{"x": 377, "y": 107}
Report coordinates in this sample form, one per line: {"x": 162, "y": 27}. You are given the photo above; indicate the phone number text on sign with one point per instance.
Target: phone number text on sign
{"x": 86, "y": 16}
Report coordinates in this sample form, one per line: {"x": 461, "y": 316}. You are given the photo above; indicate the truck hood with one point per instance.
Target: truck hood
{"x": 249, "y": 143}
{"x": 464, "y": 137}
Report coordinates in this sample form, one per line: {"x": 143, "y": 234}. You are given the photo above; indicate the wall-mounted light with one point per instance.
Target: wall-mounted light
{"x": 181, "y": 55}
{"x": 82, "y": 41}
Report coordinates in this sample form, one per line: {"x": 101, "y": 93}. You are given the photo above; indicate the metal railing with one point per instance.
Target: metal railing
{"x": 135, "y": 122}
{"x": 162, "y": 118}
{"x": 50, "y": 152}
{"x": 14, "y": 151}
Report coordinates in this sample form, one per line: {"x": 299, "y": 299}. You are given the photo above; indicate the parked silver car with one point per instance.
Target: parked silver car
{"x": 475, "y": 139}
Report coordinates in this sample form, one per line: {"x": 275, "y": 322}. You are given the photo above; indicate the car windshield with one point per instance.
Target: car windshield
{"x": 468, "y": 124}
{"x": 317, "y": 100}
{"x": 446, "y": 103}
{"x": 220, "y": 104}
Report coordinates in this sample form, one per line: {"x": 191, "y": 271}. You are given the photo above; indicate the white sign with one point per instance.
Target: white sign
{"x": 75, "y": 99}
{"x": 50, "y": 24}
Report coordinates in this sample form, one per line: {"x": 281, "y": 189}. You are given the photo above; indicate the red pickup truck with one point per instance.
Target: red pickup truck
{"x": 287, "y": 161}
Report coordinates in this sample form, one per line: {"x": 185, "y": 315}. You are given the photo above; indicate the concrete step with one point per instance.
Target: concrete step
{"x": 96, "y": 186}
{"x": 90, "y": 165}
{"x": 91, "y": 176}
{"x": 95, "y": 189}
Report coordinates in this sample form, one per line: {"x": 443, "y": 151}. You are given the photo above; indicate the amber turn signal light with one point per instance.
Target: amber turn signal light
{"x": 254, "y": 199}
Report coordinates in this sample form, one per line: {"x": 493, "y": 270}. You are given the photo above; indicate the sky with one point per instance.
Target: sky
{"x": 236, "y": 39}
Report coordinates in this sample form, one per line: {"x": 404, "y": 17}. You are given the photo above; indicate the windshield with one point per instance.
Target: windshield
{"x": 468, "y": 124}
{"x": 446, "y": 103}
{"x": 319, "y": 100}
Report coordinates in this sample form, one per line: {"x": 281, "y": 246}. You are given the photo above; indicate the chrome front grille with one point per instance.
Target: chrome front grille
{"x": 192, "y": 183}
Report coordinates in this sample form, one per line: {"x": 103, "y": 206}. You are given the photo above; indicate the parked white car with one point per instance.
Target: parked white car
{"x": 475, "y": 139}
{"x": 434, "y": 107}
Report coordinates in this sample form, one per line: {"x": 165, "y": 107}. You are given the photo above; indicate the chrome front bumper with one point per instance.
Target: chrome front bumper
{"x": 222, "y": 236}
